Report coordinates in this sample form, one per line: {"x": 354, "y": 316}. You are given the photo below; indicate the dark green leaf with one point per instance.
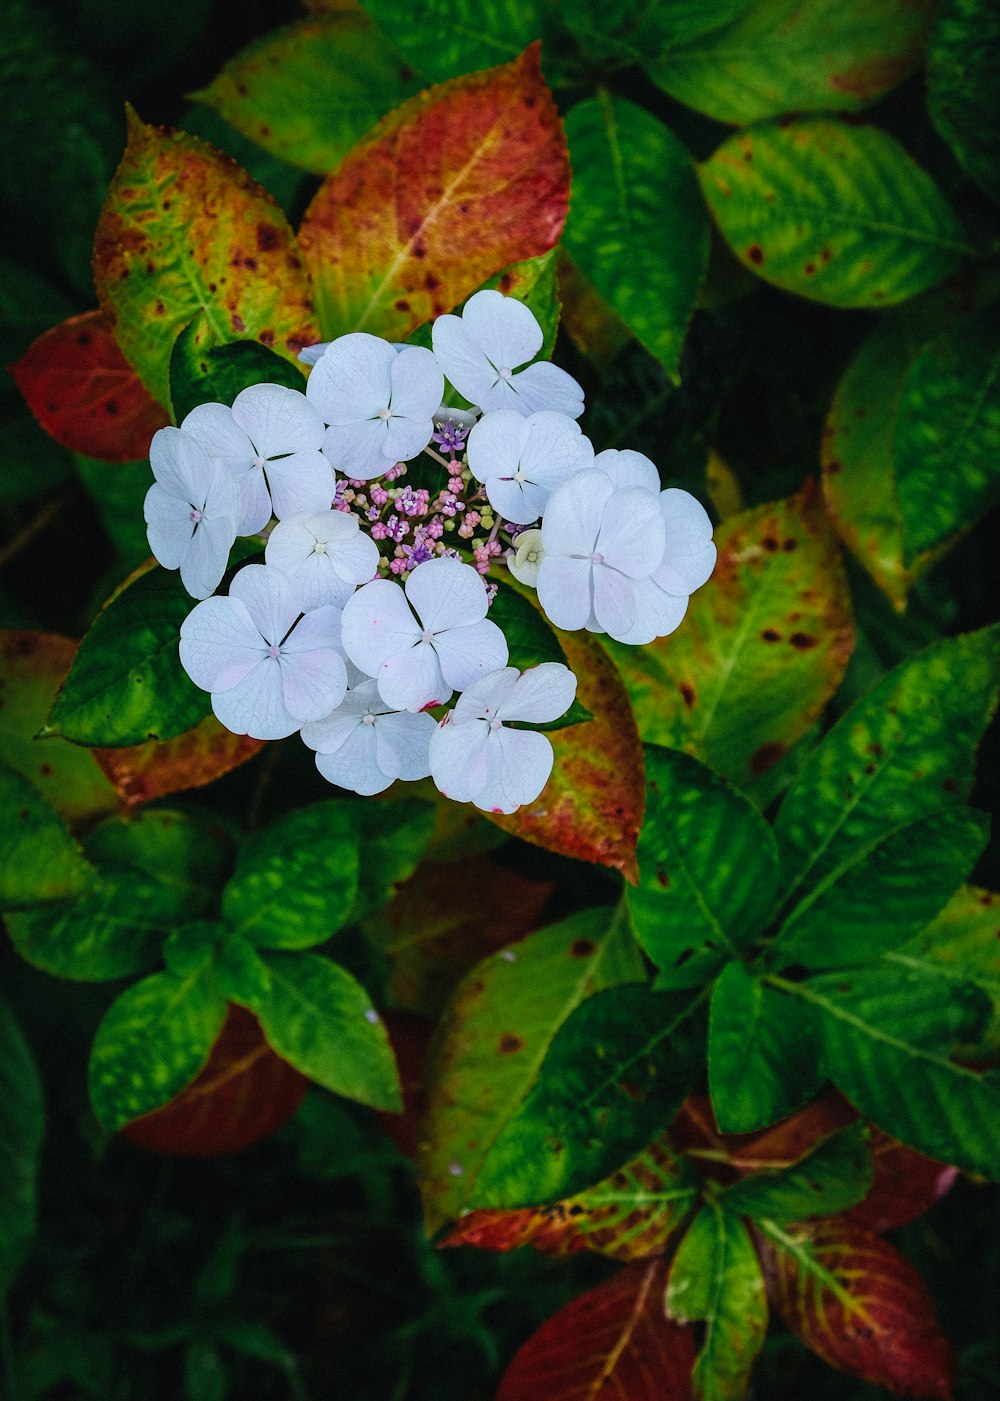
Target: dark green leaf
{"x": 28, "y": 306}
{"x": 836, "y": 1175}
{"x": 393, "y": 837}
{"x": 118, "y": 491}
{"x": 39, "y": 859}
{"x": 631, "y": 31}
{"x": 203, "y": 370}
{"x": 446, "y": 37}
{"x": 532, "y": 641}
{"x": 963, "y": 70}
{"x": 22, "y": 1122}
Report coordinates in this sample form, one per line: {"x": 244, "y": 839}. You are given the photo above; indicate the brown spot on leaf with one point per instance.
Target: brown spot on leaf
{"x": 802, "y": 641}
{"x": 663, "y": 878}
{"x": 770, "y": 544}
{"x": 789, "y": 545}
{"x": 766, "y": 756}
{"x": 268, "y": 237}
{"x": 238, "y": 323}
{"x": 688, "y": 695}
{"x": 755, "y": 253}
{"x": 582, "y": 948}
{"x": 509, "y": 1043}
{"x": 770, "y": 635}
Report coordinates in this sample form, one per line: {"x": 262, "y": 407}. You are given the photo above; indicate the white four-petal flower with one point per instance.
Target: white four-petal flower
{"x": 423, "y": 644}
{"x": 365, "y": 745}
{"x": 475, "y": 758}
{"x": 480, "y": 351}
{"x": 324, "y": 554}
{"x": 268, "y": 667}
{"x": 521, "y": 460}
{"x": 191, "y": 510}
{"x": 272, "y": 439}
{"x": 379, "y": 401}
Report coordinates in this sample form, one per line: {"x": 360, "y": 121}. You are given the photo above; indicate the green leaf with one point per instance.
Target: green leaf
{"x": 708, "y": 870}
{"x": 193, "y": 946}
{"x": 716, "y": 1277}
{"x": 888, "y": 1035}
{"x": 836, "y": 1175}
{"x": 39, "y": 858}
{"x": 126, "y": 684}
{"x": 295, "y": 881}
{"x": 907, "y": 746}
{"x": 493, "y": 1038}
{"x": 118, "y": 491}
{"x": 836, "y": 212}
{"x": 637, "y": 229}
{"x": 618, "y": 1069}
{"x": 28, "y": 306}
{"x": 308, "y": 91}
{"x": 884, "y": 896}
{"x": 22, "y": 1123}
{"x": 321, "y": 1020}
{"x": 243, "y": 974}
{"x": 393, "y": 837}
{"x": 764, "y": 1052}
{"x": 963, "y": 68}
{"x": 629, "y": 31}
{"x": 531, "y": 641}
{"x": 445, "y": 37}
{"x": 763, "y": 646}
{"x": 152, "y": 1041}
{"x": 785, "y": 56}
{"x": 947, "y": 468}
{"x": 205, "y": 370}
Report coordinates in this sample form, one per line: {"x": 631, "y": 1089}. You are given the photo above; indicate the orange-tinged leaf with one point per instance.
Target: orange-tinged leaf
{"x": 185, "y": 230}
{"x": 613, "y": 1341}
{"x": 142, "y": 772}
{"x": 85, "y": 394}
{"x": 32, "y": 667}
{"x": 593, "y": 804}
{"x": 455, "y": 184}
{"x": 243, "y": 1094}
{"x": 860, "y": 1305}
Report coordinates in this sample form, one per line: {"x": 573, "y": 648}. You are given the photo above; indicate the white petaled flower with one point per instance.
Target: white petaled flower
{"x": 599, "y": 541}
{"x": 475, "y": 758}
{"x": 365, "y": 745}
{"x": 626, "y": 467}
{"x": 309, "y": 354}
{"x": 268, "y": 666}
{"x": 527, "y": 556}
{"x": 521, "y": 461}
{"x": 272, "y": 439}
{"x": 324, "y": 554}
{"x": 191, "y": 510}
{"x": 480, "y": 351}
{"x": 379, "y": 401}
{"x": 424, "y": 643}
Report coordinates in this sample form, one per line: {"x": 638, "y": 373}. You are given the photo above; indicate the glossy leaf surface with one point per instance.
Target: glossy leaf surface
{"x": 205, "y": 370}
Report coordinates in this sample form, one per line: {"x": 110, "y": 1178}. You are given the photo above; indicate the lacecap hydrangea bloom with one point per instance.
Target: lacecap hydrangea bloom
{"x": 370, "y": 613}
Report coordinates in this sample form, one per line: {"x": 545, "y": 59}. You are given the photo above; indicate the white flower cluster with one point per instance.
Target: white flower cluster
{"x": 317, "y": 639}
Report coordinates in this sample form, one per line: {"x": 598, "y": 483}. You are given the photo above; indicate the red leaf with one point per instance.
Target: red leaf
{"x": 84, "y": 393}
{"x": 451, "y": 187}
{"x": 875, "y": 1322}
{"x": 142, "y": 772}
{"x": 613, "y": 1341}
{"x": 244, "y": 1093}
{"x": 410, "y": 1037}
{"x": 906, "y": 1185}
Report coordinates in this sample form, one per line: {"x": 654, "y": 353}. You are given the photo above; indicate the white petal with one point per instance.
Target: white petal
{"x": 496, "y": 443}
{"x": 575, "y": 513}
{"x": 255, "y": 706}
{"x": 355, "y": 449}
{"x": 180, "y": 464}
{"x": 527, "y": 557}
{"x": 402, "y": 744}
{"x": 347, "y": 559}
{"x": 484, "y": 699}
{"x": 377, "y": 624}
{"x": 626, "y": 467}
{"x": 468, "y": 653}
{"x": 309, "y": 354}
{"x": 554, "y": 450}
{"x": 412, "y": 680}
{"x": 614, "y": 601}
{"x": 505, "y": 330}
{"x": 564, "y": 590}
{"x": 354, "y": 765}
{"x": 255, "y": 501}
{"x": 205, "y": 562}
{"x": 520, "y": 502}
{"x": 269, "y": 599}
{"x": 319, "y": 629}
{"x": 541, "y": 694}
{"x": 216, "y": 429}
{"x": 417, "y": 384}
{"x": 458, "y": 758}
{"x": 689, "y": 553}
{"x": 278, "y": 420}
{"x": 352, "y": 380}
{"x": 461, "y": 359}
{"x": 169, "y": 526}
{"x": 313, "y": 682}
{"x": 546, "y": 386}
{"x": 219, "y": 644}
{"x": 302, "y": 482}
{"x": 656, "y": 613}
{"x": 519, "y": 765}
{"x": 405, "y": 438}
{"x": 445, "y": 593}
{"x": 328, "y": 735}
{"x": 632, "y": 533}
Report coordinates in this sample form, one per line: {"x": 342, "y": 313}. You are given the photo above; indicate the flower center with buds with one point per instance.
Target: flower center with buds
{"x": 274, "y": 652}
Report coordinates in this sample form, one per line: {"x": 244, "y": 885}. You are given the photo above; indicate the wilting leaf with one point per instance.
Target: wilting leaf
{"x": 764, "y": 1052}
{"x": 629, "y": 1216}
{"x": 39, "y": 859}
{"x": 832, "y": 211}
{"x": 613, "y": 1338}
{"x": 141, "y": 772}
{"x": 962, "y": 71}
{"x": 449, "y": 189}
{"x": 308, "y": 91}
{"x": 858, "y": 1303}
{"x": 763, "y": 646}
{"x": 85, "y": 394}
{"x": 708, "y": 870}
{"x": 493, "y": 1038}
{"x": 836, "y": 1175}
{"x": 22, "y": 1122}
{"x": 184, "y": 230}
{"x": 638, "y": 229}
{"x": 715, "y": 1278}
{"x": 783, "y": 56}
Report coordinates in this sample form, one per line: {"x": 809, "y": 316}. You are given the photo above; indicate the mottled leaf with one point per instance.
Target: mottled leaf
{"x": 22, "y": 1122}
{"x": 39, "y": 858}
{"x": 836, "y": 1175}
{"x": 449, "y": 189}
{"x": 963, "y": 67}
{"x": 638, "y": 228}
{"x": 444, "y": 37}
{"x": 833, "y": 211}
{"x": 141, "y": 772}
{"x": 185, "y": 230}
{"x": 785, "y": 56}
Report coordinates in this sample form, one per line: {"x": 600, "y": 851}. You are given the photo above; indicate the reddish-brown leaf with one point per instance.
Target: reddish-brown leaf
{"x": 613, "y": 1341}
{"x": 455, "y": 184}
{"x": 244, "y": 1093}
{"x": 84, "y": 392}
{"x": 861, "y": 1306}
{"x": 790, "y": 1140}
{"x": 592, "y": 806}
{"x": 142, "y": 772}
{"x": 410, "y": 1037}
{"x": 906, "y": 1185}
